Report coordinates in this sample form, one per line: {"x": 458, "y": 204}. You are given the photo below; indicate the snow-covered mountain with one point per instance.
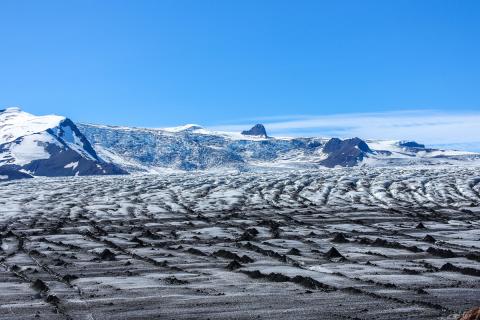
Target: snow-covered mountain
{"x": 193, "y": 147}
{"x": 46, "y": 146}
{"x": 55, "y": 146}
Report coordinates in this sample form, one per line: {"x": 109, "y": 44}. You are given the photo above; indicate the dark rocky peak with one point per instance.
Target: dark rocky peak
{"x": 336, "y": 145}
{"x": 66, "y": 131}
{"x": 345, "y": 153}
{"x": 256, "y": 130}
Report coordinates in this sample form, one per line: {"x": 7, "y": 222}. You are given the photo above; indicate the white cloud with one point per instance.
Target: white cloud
{"x": 450, "y": 130}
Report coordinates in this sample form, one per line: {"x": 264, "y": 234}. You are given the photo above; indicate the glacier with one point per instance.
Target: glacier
{"x": 192, "y": 147}
{"x": 343, "y": 243}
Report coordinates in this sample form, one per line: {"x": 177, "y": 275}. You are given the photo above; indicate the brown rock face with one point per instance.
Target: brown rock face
{"x": 472, "y": 314}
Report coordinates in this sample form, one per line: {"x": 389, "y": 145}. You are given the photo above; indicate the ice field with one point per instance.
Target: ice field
{"x": 324, "y": 244}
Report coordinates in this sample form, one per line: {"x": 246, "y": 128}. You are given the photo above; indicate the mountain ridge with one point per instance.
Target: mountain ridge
{"x": 56, "y": 146}
{"x": 189, "y": 147}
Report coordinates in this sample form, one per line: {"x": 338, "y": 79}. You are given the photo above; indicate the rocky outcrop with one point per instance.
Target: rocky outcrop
{"x": 472, "y": 314}
{"x": 256, "y": 130}
{"x": 345, "y": 153}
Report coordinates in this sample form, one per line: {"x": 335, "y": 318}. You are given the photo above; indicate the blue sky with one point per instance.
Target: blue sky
{"x": 217, "y": 63}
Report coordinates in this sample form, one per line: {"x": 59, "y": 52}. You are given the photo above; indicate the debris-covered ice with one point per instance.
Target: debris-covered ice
{"x": 324, "y": 244}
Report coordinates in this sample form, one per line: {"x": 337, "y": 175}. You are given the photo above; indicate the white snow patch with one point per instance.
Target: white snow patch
{"x": 72, "y": 165}
{"x": 190, "y": 127}
{"x": 30, "y": 148}
{"x": 320, "y": 269}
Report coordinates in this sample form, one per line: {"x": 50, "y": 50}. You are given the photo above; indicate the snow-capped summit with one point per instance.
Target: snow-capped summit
{"x": 187, "y": 127}
{"x": 15, "y": 123}
{"x": 256, "y": 130}
{"x": 47, "y": 146}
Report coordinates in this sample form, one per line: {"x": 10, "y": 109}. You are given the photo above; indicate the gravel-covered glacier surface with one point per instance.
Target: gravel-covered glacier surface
{"x": 327, "y": 244}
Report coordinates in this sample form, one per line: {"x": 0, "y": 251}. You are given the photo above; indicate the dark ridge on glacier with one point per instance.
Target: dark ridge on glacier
{"x": 411, "y": 144}
{"x": 256, "y": 130}
{"x": 10, "y": 172}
